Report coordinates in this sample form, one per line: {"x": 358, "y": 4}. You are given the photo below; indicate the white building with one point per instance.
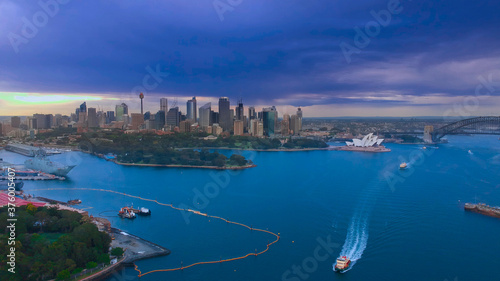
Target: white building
{"x": 368, "y": 141}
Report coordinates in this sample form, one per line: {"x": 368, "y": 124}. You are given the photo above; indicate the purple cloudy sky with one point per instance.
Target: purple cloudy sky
{"x": 428, "y": 58}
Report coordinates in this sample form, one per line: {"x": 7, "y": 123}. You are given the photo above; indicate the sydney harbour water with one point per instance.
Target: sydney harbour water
{"x": 395, "y": 225}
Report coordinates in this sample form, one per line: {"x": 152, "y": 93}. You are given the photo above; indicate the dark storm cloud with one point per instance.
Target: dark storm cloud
{"x": 282, "y": 51}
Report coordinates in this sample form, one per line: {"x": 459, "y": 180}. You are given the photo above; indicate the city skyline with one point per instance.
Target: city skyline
{"x": 19, "y": 104}
{"x": 279, "y": 54}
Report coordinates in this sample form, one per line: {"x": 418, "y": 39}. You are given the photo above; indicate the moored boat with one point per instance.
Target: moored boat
{"x": 126, "y": 213}
{"x": 5, "y": 184}
{"x": 143, "y": 211}
{"x": 41, "y": 163}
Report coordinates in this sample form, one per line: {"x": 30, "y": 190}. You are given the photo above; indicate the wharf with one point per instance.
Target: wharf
{"x": 41, "y": 177}
{"x": 363, "y": 149}
{"x": 137, "y": 248}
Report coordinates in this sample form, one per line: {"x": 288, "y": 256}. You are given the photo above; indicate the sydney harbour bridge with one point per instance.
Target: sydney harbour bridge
{"x": 475, "y": 125}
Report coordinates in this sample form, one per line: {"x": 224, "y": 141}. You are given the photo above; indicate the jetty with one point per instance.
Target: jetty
{"x": 137, "y": 248}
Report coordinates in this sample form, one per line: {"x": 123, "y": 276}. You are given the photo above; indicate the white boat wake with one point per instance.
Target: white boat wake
{"x": 356, "y": 241}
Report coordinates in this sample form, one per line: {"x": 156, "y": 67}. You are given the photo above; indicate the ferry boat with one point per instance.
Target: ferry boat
{"x": 403, "y": 166}
{"x": 342, "y": 264}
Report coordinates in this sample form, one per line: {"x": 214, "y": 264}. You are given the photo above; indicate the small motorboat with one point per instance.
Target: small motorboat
{"x": 403, "y": 166}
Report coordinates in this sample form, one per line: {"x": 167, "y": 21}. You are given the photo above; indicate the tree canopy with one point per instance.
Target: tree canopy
{"x": 50, "y": 243}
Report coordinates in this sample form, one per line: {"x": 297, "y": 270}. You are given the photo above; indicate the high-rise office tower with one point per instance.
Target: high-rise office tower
{"x": 15, "y": 121}
{"x": 214, "y": 118}
{"x": 137, "y": 120}
{"x": 238, "y": 127}
{"x": 173, "y": 117}
{"x": 164, "y": 107}
{"x": 110, "y": 117}
{"x": 92, "y": 117}
{"x": 41, "y": 121}
{"x": 57, "y": 120}
{"x": 82, "y": 119}
{"x": 240, "y": 111}
{"x": 164, "y": 104}
{"x": 269, "y": 117}
{"x": 299, "y": 114}
{"x": 205, "y": 115}
{"x": 185, "y": 126}
{"x": 285, "y": 125}
{"x": 251, "y": 113}
{"x": 101, "y": 118}
{"x": 225, "y": 120}
{"x": 295, "y": 124}
{"x": 191, "y": 110}
{"x": 120, "y": 110}
{"x": 77, "y": 114}
{"x": 260, "y": 129}
{"x": 160, "y": 119}
{"x": 83, "y": 107}
{"x": 253, "y": 127}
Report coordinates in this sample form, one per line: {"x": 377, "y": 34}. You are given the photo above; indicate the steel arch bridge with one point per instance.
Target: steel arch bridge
{"x": 474, "y": 125}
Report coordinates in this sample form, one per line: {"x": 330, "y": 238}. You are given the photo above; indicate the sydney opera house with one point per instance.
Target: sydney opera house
{"x": 368, "y": 143}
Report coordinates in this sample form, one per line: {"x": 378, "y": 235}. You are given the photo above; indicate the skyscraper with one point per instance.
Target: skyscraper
{"x": 191, "y": 110}
{"x": 120, "y": 110}
{"x": 214, "y": 118}
{"x": 164, "y": 104}
{"x": 110, "y": 117}
{"x": 173, "y": 117}
{"x": 15, "y": 121}
{"x": 185, "y": 126}
{"x": 295, "y": 124}
{"x": 285, "y": 125}
{"x": 269, "y": 117}
{"x": 205, "y": 115}
{"x": 299, "y": 112}
{"x": 92, "y": 117}
{"x": 225, "y": 114}
{"x": 299, "y": 115}
{"x": 160, "y": 119}
{"x": 137, "y": 120}
{"x": 238, "y": 127}
{"x": 251, "y": 113}
{"x": 83, "y": 107}
{"x": 240, "y": 111}
{"x": 164, "y": 107}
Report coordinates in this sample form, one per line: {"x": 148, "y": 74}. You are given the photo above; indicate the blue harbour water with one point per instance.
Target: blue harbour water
{"x": 396, "y": 225}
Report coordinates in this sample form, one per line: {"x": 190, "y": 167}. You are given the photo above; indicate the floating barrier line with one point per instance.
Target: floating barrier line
{"x": 186, "y": 210}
